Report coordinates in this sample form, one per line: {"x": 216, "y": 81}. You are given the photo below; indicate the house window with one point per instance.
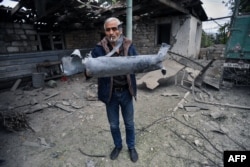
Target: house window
{"x": 50, "y": 41}
{"x": 163, "y": 33}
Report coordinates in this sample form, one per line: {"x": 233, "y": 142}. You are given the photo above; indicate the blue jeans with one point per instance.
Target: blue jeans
{"x": 124, "y": 100}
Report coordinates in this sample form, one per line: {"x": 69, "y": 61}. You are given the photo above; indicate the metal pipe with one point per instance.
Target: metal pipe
{"x": 129, "y": 19}
{"x": 111, "y": 66}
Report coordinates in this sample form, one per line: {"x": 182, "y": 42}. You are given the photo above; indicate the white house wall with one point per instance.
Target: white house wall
{"x": 195, "y": 37}
{"x": 186, "y": 36}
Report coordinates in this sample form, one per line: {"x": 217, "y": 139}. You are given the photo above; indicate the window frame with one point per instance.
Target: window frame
{"x": 52, "y": 42}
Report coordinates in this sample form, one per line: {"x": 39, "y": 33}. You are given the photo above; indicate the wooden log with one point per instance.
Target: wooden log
{"x": 36, "y": 107}
{"x": 65, "y": 108}
{"x": 54, "y": 94}
{"x": 17, "y": 83}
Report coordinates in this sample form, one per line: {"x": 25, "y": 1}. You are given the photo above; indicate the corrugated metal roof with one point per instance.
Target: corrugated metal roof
{"x": 83, "y": 14}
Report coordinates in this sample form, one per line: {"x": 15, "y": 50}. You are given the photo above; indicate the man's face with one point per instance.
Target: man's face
{"x": 112, "y": 31}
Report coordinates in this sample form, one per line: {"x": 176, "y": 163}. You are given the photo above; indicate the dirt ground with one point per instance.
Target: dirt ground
{"x": 174, "y": 127}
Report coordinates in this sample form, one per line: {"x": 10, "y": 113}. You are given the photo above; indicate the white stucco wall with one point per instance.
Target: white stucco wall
{"x": 195, "y": 37}
{"x": 186, "y": 35}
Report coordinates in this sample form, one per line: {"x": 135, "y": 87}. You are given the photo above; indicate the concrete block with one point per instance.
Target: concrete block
{"x": 12, "y": 49}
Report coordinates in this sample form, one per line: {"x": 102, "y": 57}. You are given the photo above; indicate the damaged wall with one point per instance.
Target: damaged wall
{"x": 81, "y": 39}
{"x": 17, "y": 38}
{"x": 195, "y": 37}
{"x": 20, "y": 43}
{"x": 144, "y": 37}
{"x": 185, "y": 37}
{"x": 186, "y": 33}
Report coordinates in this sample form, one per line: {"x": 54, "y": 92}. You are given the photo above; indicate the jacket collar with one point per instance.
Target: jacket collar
{"x": 126, "y": 44}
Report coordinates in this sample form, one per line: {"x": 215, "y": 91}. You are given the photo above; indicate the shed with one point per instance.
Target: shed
{"x": 35, "y": 31}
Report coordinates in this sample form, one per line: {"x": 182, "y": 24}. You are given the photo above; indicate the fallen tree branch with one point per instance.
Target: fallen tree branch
{"x": 182, "y": 101}
{"x": 214, "y": 103}
{"x": 54, "y": 94}
{"x": 65, "y": 108}
{"x": 186, "y": 159}
{"x": 237, "y": 143}
{"x": 199, "y": 133}
{"x": 155, "y": 122}
{"x": 23, "y": 105}
{"x": 214, "y": 163}
{"x": 221, "y": 104}
{"x": 14, "y": 121}
{"x": 90, "y": 155}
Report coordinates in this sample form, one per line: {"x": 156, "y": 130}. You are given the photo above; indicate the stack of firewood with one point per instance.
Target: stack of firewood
{"x": 13, "y": 120}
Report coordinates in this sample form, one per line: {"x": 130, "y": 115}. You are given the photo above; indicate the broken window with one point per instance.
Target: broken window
{"x": 50, "y": 41}
{"x": 163, "y": 33}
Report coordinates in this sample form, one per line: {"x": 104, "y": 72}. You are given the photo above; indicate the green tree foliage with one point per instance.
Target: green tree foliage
{"x": 222, "y": 37}
{"x": 244, "y": 5}
{"x": 207, "y": 39}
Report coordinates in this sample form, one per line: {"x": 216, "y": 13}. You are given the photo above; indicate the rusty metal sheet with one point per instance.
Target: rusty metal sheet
{"x": 213, "y": 74}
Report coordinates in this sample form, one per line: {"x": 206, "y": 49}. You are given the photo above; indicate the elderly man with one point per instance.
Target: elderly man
{"x": 118, "y": 91}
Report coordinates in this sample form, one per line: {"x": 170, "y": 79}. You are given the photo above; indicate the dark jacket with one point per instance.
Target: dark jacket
{"x": 105, "y": 84}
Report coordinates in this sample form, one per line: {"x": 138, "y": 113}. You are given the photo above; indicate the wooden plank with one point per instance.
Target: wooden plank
{"x": 16, "y": 68}
{"x": 174, "y": 5}
{"x": 27, "y": 61}
{"x": 14, "y": 75}
{"x": 29, "y": 55}
{"x": 25, "y": 55}
{"x": 58, "y": 53}
{"x": 17, "y": 83}
{"x": 18, "y": 65}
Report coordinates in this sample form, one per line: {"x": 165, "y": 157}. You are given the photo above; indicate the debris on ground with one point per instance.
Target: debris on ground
{"x": 194, "y": 124}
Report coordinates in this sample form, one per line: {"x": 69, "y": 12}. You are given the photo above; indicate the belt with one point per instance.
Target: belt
{"x": 120, "y": 89}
